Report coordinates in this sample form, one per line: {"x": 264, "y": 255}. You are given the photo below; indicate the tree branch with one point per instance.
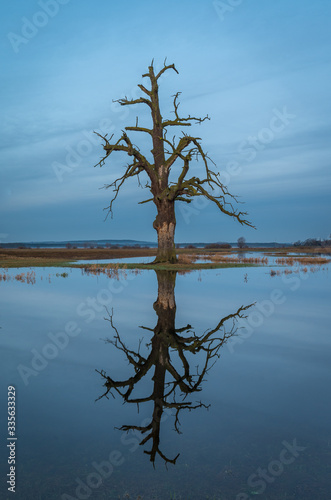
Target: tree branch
{"x": 166, "y": 153}
{"x": 165, "y": 68}
{"x": 140, "y": 163}
{"x": 127, "y": 102}
{"x": 182, "y": 122}
{"x": 140, "y": 129}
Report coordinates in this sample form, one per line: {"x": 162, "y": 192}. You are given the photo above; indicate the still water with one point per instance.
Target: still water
{"x": 206, "y": 385}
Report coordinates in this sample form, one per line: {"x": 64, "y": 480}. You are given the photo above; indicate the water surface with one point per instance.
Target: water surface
{"x": 261, "y": 402}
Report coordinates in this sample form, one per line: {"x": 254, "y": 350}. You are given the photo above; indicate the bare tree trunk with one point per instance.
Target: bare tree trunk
{"x": 165, "y": 305}
{"x": 165, "y": 225}
{"x": 165, "y": 308}
{"x": 166, "y": 154}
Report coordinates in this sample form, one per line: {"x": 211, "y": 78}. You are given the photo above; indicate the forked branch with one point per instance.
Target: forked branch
{"x": 168, "y": 153}
{"x": 180, "y": 121}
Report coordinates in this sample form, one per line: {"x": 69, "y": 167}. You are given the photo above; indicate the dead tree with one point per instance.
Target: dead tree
{"x": 167, "y": 340}
{"x": 167, "y": 154}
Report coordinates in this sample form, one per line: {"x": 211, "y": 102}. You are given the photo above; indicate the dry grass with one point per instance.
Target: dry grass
{"x": 315, "y": 250}
{"x": 64, "y": 257}
{"x": 187, "y": 259}
{"x": 296, "y": 250}
{"x": 235, "y": 260}
{"x": 290, "y": 261}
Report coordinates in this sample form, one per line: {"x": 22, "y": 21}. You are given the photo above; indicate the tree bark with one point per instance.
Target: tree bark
{"x": 165, "y": 305}
{"x": 165, "y": 225}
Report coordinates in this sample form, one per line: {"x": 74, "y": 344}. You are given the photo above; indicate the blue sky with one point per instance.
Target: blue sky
{"x": 260, "y": 70}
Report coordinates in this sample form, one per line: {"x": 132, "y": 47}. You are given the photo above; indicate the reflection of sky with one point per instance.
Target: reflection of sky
{"x": 272, "y": 387}
{"x": 59, "y": 86}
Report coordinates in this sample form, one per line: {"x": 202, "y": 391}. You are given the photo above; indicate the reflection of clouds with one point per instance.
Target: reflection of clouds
{"x": 175, "y": 374}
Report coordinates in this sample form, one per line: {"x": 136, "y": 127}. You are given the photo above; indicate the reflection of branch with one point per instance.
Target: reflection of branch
{"x": 167, "y": 338}
{"x": 117, "y": 342}
{"x": 154, "y": 435}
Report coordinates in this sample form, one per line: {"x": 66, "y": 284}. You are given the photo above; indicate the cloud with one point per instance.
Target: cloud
{"x": 60, "y": 86}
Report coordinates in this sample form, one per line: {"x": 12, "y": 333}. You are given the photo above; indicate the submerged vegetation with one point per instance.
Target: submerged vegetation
{"x": 29, "y": 277}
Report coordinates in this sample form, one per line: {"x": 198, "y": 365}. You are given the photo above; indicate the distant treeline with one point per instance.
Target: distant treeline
{"x": 313, "y": 242}
{"x": 129, "y": 244}
{"x": 115, "y": 246}
{"x": 136, "y": 245}
{"x": 107, "y": 245}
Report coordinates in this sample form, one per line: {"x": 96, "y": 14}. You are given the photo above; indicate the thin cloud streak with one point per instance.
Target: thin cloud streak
{"x": 60, "y": 85}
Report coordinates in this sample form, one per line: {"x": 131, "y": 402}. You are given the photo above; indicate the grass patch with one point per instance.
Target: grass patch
{"x": 221, "y": 258}
{"x": 32, "y": 262}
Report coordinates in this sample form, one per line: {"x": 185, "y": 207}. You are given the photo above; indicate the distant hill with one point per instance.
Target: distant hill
{"x": 120, "y": 243}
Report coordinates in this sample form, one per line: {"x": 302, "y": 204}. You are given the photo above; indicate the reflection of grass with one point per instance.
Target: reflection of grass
{"x": 106, "y": 268}
{"x": 298, "y": 270}
{"x": 28, "y": 277}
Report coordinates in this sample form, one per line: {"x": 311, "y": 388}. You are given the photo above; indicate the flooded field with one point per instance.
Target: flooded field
{"x": 212, "y": 384}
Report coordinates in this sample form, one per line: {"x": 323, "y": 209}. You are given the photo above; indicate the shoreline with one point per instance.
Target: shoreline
{"x": 64, "y": 257}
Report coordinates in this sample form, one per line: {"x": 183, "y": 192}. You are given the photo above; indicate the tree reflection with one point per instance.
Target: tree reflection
{"x": 172, "y": 385}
